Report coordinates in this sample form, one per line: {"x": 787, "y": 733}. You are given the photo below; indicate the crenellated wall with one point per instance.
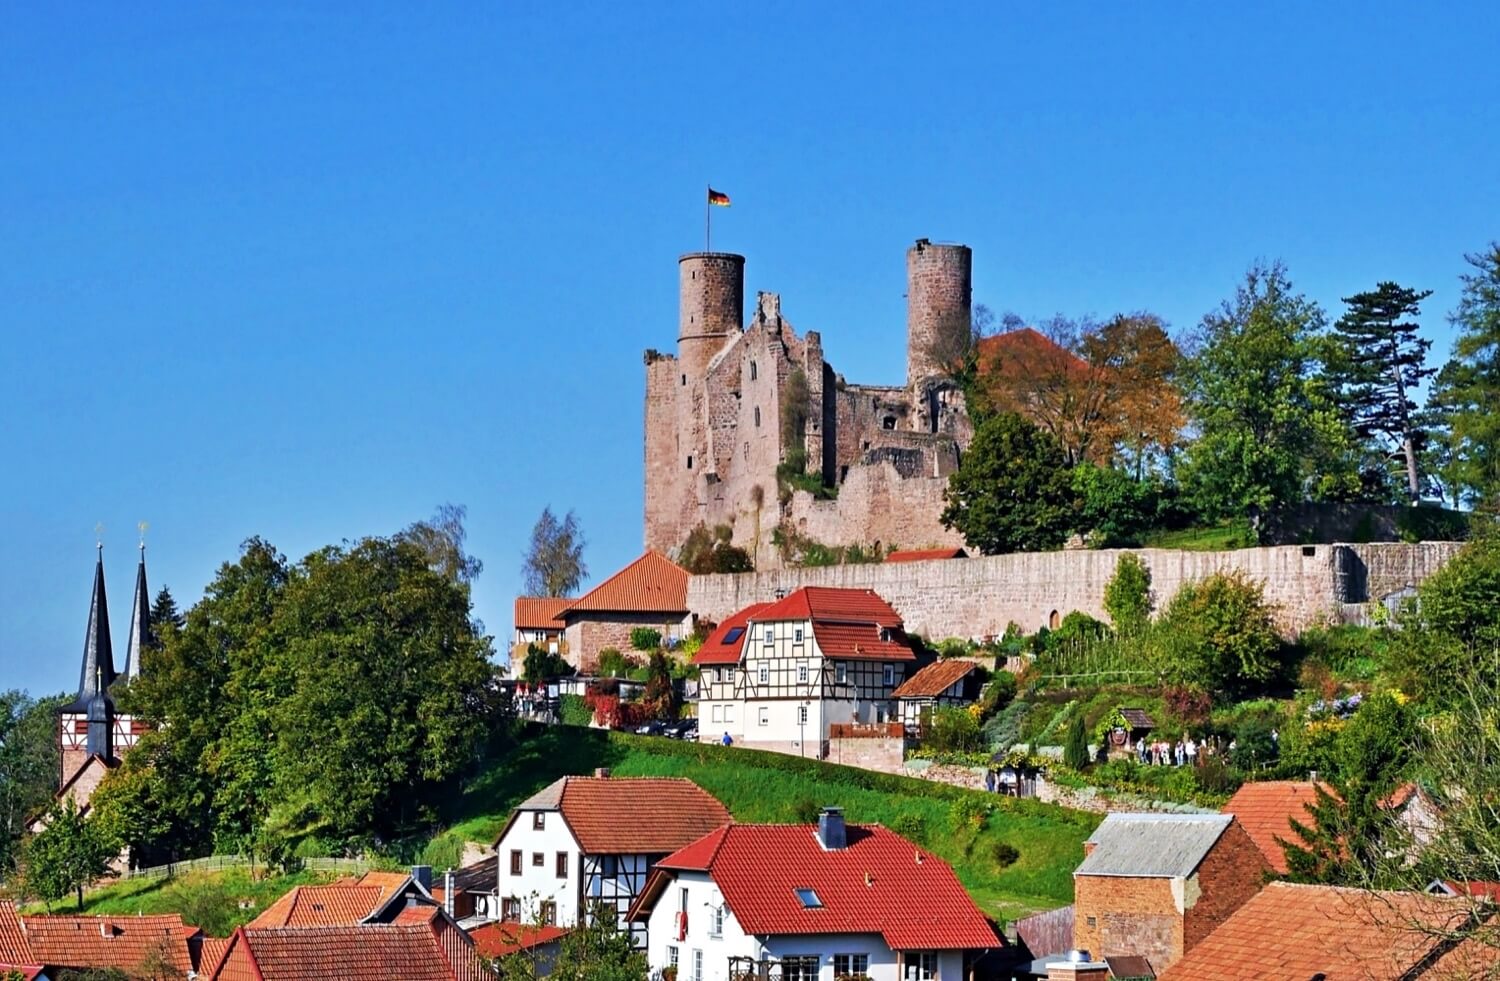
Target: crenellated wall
{"x": 978, "y": 597}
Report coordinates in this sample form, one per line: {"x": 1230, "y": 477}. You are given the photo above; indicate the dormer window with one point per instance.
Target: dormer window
{"x": 808, "y": 898}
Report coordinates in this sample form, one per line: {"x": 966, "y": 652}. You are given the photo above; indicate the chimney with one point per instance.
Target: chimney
{"x": 423, "y": 876}
{"x": 448, "y": 892}
{"x": 831, "y": 829}
{"x": 601, "y": 772}
{"x": 1077, "y": 967}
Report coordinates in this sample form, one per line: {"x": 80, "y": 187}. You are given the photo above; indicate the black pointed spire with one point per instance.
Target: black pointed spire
{"x": 98, "y": 671}
{"x": 140, "y": 621}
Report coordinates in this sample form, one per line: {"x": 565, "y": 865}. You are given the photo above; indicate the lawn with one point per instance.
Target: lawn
{"x": 1215, "y": 538}
{"x": 967, "y": 828}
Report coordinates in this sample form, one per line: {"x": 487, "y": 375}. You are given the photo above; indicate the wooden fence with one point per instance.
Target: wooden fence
{"x": 218, "y": 863}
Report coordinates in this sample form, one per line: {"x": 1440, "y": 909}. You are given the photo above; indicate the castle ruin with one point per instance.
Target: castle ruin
{"x": 736, "y": 403}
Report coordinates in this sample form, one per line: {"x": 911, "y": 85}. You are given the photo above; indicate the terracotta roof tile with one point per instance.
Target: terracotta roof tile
{"x": 14, "y": 950}
{"x": 123, "y": 942}
{"x": 652, "y": 583}
{"x": 832, "y": 604}
{"x": 638, "y": 815}
{"x": 926, "y": 554}
{"x": 881, "y": 883}
{"x": 500, "y": 939}
{"x": 539, "y": 612}
{"x": 412, "y": 952}
{"x": 723, "y": 646}
{"x": 211, "y": 952}
{"x": 389, "y": 883}
{"x": 1295, "y": 932}
{"x": 1266, "y": 811}
{"x": 329, "y": 905}
{"x": 935, "y": 679}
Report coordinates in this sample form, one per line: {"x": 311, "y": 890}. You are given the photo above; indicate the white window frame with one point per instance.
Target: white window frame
{"x": 801, "y": 672}
{"x": 851, "y": 964}
{"x": 765, "y": 674}
{"x": 729, "y": 714}
{"x": 672, "y": 955}
{"x": 770, "y": 636}
{"x": 716, "y": 714}
{"x": 765, "y": 716}
{"x": 797, "y": 635}
{"x": 716, "y": 921}
{"x": 697, "y": 964}
{"x": 925, "y": 968}
{"x": 802, "y": 715}
{"x": 841, "y": 672}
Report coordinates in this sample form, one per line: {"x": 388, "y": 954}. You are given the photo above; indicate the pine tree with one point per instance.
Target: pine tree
{"x": 1076, "y": 749}
{"x": 1383, "y": 362}
{"x": 163, "y": 612}
{"x": 1475, "y": 388}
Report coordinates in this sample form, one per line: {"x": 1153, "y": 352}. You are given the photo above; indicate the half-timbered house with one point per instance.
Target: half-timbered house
{"x": 948, "y": 683}
{"x": 818, "y": 658}
{"x": 584, "y": 845}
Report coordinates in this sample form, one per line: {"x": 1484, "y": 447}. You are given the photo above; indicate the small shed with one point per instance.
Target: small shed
{"x": 947, "y": 682}
{"x": 1138, "y": 724}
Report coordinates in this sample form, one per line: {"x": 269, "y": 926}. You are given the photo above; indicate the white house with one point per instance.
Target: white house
{"x": 583, "y": 841}
{"x": 781, "y": 675}
{"x": 810, "y": 903}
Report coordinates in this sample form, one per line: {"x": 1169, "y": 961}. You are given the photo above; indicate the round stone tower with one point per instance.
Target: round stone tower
{"x": 711, "y": 308}
{"x": 939, "y": 284}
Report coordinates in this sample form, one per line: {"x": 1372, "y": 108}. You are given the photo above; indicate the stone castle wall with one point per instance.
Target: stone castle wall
{"x": 978, "y": 597}
{"x": 877, "y": 506}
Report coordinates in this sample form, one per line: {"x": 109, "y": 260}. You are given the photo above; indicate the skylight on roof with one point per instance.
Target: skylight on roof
{"x": 735, "y": 633}
{"x": 809, "y": 898}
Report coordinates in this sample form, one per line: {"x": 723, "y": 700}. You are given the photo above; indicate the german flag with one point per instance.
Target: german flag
{"x": 718, "y": 198}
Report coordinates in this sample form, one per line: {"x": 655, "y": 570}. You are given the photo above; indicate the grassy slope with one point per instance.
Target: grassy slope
{"x": 1215, "y": 538}
{"x": 764, "y": 787}
{"x": 219, "y": 900}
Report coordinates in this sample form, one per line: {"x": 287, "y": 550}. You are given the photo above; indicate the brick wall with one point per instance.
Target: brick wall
{"x": 1232, "y": 871}
{"x": 1127, "y": 915}
{"x": 978, "y": 596}
{"x": 590, "y": 633}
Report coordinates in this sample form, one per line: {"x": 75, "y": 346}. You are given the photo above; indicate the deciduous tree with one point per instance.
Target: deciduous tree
{"x": 1012, "y": 491}
{"x": 28, "y": 766}
{"x": 66, "y": 855}
{"x": 553, "y": 564}
{"x": 1127, "y": 595}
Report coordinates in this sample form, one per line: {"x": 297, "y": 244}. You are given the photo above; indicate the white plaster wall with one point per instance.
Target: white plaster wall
{"x": 536, "y": 884}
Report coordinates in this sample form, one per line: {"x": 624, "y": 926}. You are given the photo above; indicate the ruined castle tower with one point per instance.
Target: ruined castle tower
{"x": 711, "y": 308}
{"x": 939, "y": 284}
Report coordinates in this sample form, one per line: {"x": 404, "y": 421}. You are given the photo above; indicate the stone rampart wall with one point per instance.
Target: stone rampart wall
{"x": 979, "y": 596}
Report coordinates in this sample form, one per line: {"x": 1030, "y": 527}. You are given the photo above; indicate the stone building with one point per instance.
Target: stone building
{"x": 738, "y": 401}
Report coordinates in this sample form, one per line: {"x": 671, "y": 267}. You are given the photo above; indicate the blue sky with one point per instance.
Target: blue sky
{"x": 308, "y": 270}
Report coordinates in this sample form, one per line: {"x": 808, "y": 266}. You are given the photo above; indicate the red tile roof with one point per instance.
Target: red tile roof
{"x": 717, "y": 648}
{"x": 926, "y": 554}
{"x": 935, "y": 679}
{"x": 389, "y": 883}
{"x": 539, "y": 612}
{"x": 881, "y": 883}
{"x": 629, "y": 815}
{"x": 15, "y": 952}
{"x": 1266, "y": 811}
{"x": 369, "y": 952}
{"x": 210, "y": 952}
{"x": 499, "y": 939}
{"x": 853, "y": 624}
{"x": 652, "y": 583}
{"x": 123, "y": 942}
{"x": 330, "y": 905}
{"x": 1296, "y": 932}
{"x": 1475, "y": 890}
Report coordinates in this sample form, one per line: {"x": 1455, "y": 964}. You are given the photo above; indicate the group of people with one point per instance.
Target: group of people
{"x": 1184, "y": 752}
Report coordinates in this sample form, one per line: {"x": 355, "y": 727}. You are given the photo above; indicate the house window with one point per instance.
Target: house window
{"x": 538, "y": 860}
{"x": 697, "y": 965}
{"x": 799, "y": 968}
{"x": 510, "y": 909}
{"x": 549, "y": 912}
{"x": 801, "y": 673}
{"x": 538, "y": 821}
{"x": 562, "y": 865}
{"x": 609, "y": 866}
{"x": 846, "y": 964}
{"x": 797, "y": 635}
{"x": 808, "y": 898}
{"x": 728, "y": 714}
{"x": 716, "y": 921}
{"x": 770, "y": 636}
{"x": 515, "y": 861}
{"x": 1093, "y": 921}
{"x": 802, "y": 715}
{"x": 889, "y": 422}
{"x": 765, "y": 716}
{"x": 682, "y": 900}
{"x": 718, "y": 714}
{"x": 921, "y": 967}
{"x": 765, "y": 675}
{"x": 841, "y": 672}
{"x": 672, "y": 956}
{"x": 888, "y": 675}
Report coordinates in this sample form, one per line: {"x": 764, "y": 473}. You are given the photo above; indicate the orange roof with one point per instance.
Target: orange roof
{"x": 652, "y": 583}
{"x": 723, "y": 646}
{"x": 629, "y": 815}
{"x": 1296, "y": 932}
{"x": 1266, "y": 811}
{"x": 499, "y": 939}
{"x": 389, "y": 883}
{"x": 306, "y": 906}
{"x": 847, "y": 623}
{"x": 123, "y": 942}
{"x": 368, "y": 952}
{"x": 210, "y": 952}
{"x": 540, "y": 612}
{"x": 925, "y": 554}
{"x": 15, "y": 952}
{"x": 935, "y": 679}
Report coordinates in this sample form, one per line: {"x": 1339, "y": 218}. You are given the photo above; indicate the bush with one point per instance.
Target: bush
{"x": 1004, "y": 854}
{"x": 1004, "y": 730}
{"x": 645, "y": 639}
{"x": 951, "y": 729}
{"x": 968, "y": 813}
{"x": 911, "y": 827}
{"x": 706, "y": 552}
{"x": 541, "y": 664}
{"x": 1114, "y": 509}
{"x": 1254, "y": 744}
{"x": 1076, "y": 628}
{"x": 954, "y": 647}
{"x": 613, "y": 664}
{"x": 574, "y": 711}
{"x": 998, "y": 694}
{"x": 805, "y": 810}
{"x": 1127, "y": 595}
{"x": 1187, "y": 703}
{"x": 1227, "y": 634}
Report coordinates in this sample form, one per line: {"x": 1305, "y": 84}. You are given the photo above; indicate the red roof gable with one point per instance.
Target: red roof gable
{"x": 719, "y": 648}
{"x": 880, "y": 883}
{"x": 652, "y": 583}
{"x": 628, "y": 815}
{"x": 329, "y": 905}
{"x": 123, "y": 942}
{"x": 15, "y": 952}
{"x": 539, "y": 612}
{"x": 847, "y": 623}
{"x": 1266, "y": 811}
{"x": 501, "y": 939}
{"x": 935, "y": 679}
{"x": 926, "y": 554}
{"x": 368, "y": 952}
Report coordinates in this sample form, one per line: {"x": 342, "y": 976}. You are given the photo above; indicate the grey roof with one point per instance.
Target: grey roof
{"x": 98, "y": 670}
{"x": 1152, "y": 845}
{"x": 140, "y": 621}
{"x": 549, "y": 798}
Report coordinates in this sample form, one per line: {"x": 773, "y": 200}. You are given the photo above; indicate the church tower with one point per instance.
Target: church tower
{"x": 86, "y": 725}
{"x": 140, "y": 622}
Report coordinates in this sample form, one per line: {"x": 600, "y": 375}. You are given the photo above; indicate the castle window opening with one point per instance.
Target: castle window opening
{"x": 1053, "y": 620}
{"x": 753, "y": 374}
{"x": 690, "y": 463}
{"x": 684, "y": 379}
{"x": 889, "y": 422}
{"x": 757, "y": 415}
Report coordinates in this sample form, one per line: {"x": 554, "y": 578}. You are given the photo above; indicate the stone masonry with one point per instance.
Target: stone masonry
{"x": 978, "y": 597}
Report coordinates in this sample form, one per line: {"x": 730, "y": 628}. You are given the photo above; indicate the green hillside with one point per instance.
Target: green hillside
{"x": 1014, "y": 857}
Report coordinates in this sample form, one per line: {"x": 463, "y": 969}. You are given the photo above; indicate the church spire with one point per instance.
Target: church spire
{"x": 140, "y": 621}
{"x": 98, "y": 671}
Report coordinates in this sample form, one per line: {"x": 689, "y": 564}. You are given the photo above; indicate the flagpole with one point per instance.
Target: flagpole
{"x": 708, "y": 219}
